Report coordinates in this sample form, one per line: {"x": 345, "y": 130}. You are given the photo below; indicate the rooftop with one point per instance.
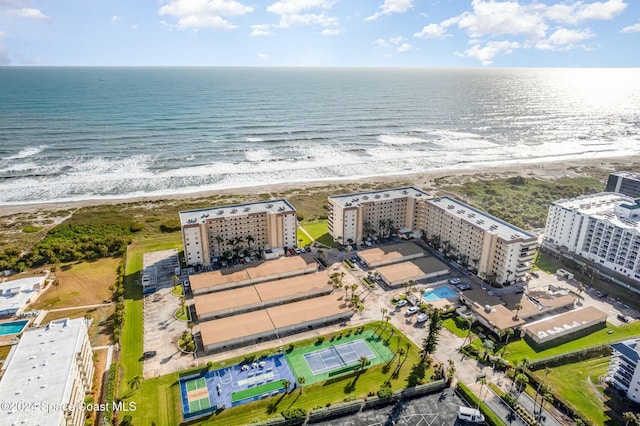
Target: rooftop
{"x": 357, "y": 199}
{"x": 190, "y": 217}
{"x": 481, "y": 219}
{"x": 412, "y": 269}
{"x": 38, "y": 370}
{"x": 388, "y": 253}
{"x": 14, "y": 294}
{"x": 602, "y": 206}
{"x": 563, "y": 323}
{"x": 628, "y": 175}
{"x": 237, "y": 326}
{"x": 264, "y": 292}
{"x": 628, "y": 348}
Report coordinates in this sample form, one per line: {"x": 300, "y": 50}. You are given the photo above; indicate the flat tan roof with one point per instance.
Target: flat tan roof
{"x": 281, "y": 265}
{"x": 567, "y": 320}
{"x": 307, "y": 310}
{"x": 216, "y": 278}
{"x": 389, "y": 253}
{"x": 500, "y": 317}
{"x": 237, "y": 326}
{"x": 291, "y": 286}
{"x": 412, "y": 269}
{"x": 227, "y": 299}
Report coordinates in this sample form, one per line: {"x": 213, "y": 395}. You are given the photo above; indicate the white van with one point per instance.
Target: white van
{"x": 470, "y": 415}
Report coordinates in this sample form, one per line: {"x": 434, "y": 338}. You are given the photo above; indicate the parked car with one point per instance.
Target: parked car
{"x": 149, "y": 354}
{"x": 402, "y": 302}
{"x": 297, "y": 251}
{"x": 463, "y": 286}
{"x": 623, "y": 318}
{"x": 412, "y": 310}
{"x": 422, "y": 317}
{"x": 454, "y": 281}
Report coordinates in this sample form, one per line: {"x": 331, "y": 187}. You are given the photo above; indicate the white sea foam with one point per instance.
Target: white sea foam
{"x": 254, "y": 140}
{"x": 400, "y": 140}
{"x": 27, "y": 152}
{"x": 260, "y": 154}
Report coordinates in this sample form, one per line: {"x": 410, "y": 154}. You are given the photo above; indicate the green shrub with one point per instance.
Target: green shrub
{"x": 30, "y": 229}
{"x": 294, "y": 413}
{"x": 172, "y": 225}
{"x": 136, "y": 227}
{"x": 385, "y": 391}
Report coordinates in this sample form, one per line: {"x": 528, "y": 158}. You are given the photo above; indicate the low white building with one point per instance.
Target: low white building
{"x": 47, "y": 375}
{"x": 16, "y": 294}
{"x": 603, "y": 228}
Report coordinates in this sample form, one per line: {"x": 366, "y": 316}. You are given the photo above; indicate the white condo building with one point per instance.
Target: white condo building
{"x": 211, "y": 232}
{"x": 603, "y": 228}
{"x": 623, "y": 370}
{"x": 354, "y": 217}
{"x": 497, "y": 249}
{"x": 52, "y": 367}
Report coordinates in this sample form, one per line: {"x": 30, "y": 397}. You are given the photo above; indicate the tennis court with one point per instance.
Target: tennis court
{"x": 196, "y": 400}
{"x": 338, "y": 356}
{"x": 263, "y": 390}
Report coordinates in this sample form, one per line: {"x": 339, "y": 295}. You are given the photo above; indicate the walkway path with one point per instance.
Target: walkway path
{"x": 81, "y": 307}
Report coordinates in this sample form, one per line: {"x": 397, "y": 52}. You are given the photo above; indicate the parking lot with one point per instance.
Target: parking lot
{"x": 161, "y": 329}
{"x": 436, "y": 409}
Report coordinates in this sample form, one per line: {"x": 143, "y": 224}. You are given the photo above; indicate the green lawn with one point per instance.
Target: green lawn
{"x": 131, "y": 341}
{"x": 163, "y": 393}
{"x": 451, "y": 325}
{"x": 579, "y": 384}
{"x": 319, "y": 231}
{"x": 546, "y": 263}
{"x": 302, "y": 238}
{"x": 517, "y": 350}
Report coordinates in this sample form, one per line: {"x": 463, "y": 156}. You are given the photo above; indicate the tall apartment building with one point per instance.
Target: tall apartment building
{"x": 255, "y": 226}
{"x": 51, "y": 367}
{"x": 603, "y": 228}
{"x": 623, "y": 371}
{"x": 499, "y": 250}
{"x": 354, "y": 217}
{"x": 625, "y": 183}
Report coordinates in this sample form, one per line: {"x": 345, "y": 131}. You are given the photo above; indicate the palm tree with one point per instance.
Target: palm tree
{"x": 521, "y": 381}
{"x": 451, "y": 370}
{"x": 134, "y": 383}
{"x": 469, "y": 324}
{"x": 363, "y": 363}
{"x": 287, "y": 384}
{"x": 541, "y": 387}
{"x": 219, "y": 240}
{"x": 508, "y": 332}
{"x": 249, "y": 240}
{"x": 383, "y": 311}
{"x": 56, "y": 284}
{"x": 400, "y": 352}
{"x": 580, "y": 290}
{"x": 518, "y": 307}
{"x": 301, "y": 381}
{"x": 483, "y": 383}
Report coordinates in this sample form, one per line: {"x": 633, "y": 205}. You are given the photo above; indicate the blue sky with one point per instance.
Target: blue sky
{"x": 416, "y": 33}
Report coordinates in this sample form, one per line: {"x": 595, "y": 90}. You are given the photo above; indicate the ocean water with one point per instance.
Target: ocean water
{"x": 85, "y": 133}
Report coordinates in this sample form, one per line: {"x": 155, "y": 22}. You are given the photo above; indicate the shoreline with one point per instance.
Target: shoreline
{"x": 425, "y": 180}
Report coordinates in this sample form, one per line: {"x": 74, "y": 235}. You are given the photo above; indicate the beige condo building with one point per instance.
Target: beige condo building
{"x": 214, "y": 231}
{"x": 498, "y": 250}
{"x": 354, "y": 217}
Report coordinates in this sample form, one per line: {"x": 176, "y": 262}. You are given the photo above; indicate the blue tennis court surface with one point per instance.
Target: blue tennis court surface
{"x": 339, "y": 356}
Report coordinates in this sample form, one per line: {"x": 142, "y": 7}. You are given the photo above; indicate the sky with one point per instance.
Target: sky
{"x": 330, "y": 33}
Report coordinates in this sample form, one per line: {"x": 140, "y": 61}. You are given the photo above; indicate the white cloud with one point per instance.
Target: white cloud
{"x": 27, "y": 13}
{"x": 503, "y": 18}
{"x": 381, "y": 42}
{"x": 564, "y": 39}
{"x": 263, "y": 56}
{"x": 396, "y": 40}
{"x": 391, "y": 6}
{"x": 632, "y": 28}
{"x": 432, "y": 31}
{"x": 291, "y": 12}
{"x": 404, "y": 47}
{"x": 195, "y": 14}
{"x": 332, "y": 32}
{"x": 577, "y": 12}
{"x": 260, "y": 30}
{"x": 134, "y": 26}
{"x": 391, "y": 41}
{"x": 487, "y": 53}
{"x": 115, "y": 19}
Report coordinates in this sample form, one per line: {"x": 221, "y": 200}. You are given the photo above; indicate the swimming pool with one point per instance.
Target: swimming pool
{"x": 438, "y": 293}
{"x": 13, "y": 327}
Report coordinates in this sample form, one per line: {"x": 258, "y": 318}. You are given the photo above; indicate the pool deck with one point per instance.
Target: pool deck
{"x": 12, "y": 339}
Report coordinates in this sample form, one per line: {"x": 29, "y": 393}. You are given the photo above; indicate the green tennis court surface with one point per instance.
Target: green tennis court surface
{"x": 300, "y": 366}
{"x": 258, "y": 390}
{"x": 199, "y": 405}
{"x": 196, "y": 384}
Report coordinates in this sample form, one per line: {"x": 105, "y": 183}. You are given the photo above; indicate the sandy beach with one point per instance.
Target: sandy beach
{"x": 595, "y": 167}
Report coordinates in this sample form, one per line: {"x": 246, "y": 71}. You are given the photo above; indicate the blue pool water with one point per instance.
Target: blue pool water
{"x": 438, "y": 293}
{"x": 14, "y": 327}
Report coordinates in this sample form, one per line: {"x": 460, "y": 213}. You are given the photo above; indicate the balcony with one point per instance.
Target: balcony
{"x": 523, "y": 267}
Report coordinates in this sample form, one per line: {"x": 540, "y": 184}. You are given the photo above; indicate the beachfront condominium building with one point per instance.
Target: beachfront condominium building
{"x": 51, "y": 367}
{"x": 226, "y": 230}
{"x": 500, "y": 251}
{"x": 623, "y": 372}
{"x": 626, "y": 183}
{"x": 603, "y": 228}
{"x": 355, "y": 217}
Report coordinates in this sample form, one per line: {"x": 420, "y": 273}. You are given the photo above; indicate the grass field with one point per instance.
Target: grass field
{"x": 132, "y": 340}
{"x": 579, "y": 384}
{"x": 451, "y": 325}
{"x": 163, "y": 393}
{"x": 319, "y": 231}
{"x": 100, "y": 330}
{"x": 84, "y": 283}
{"x": 4, "y": 351}
{"x": 301, "y": 238}
{"x": 518, "y": 350}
